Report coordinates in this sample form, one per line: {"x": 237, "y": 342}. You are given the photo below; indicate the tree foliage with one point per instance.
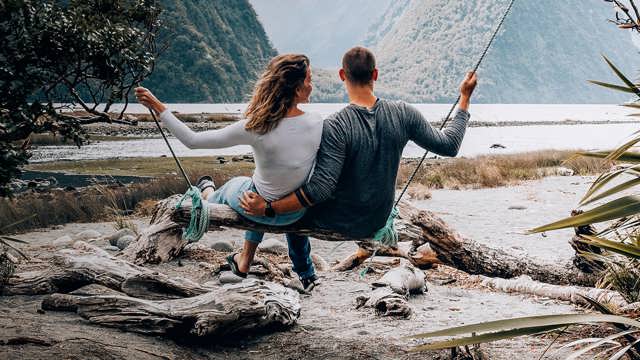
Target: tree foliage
{"x": 57, "y": 55}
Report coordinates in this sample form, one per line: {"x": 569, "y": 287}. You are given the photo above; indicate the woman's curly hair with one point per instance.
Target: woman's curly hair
{"x": 275, "y": 92}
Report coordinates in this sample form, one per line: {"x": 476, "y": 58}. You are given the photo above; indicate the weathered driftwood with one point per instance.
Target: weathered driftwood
{"x": 136, "y": 299}
{"x": 87, "y": 264}
{"x": 386, "y": 302}
{"x": 404, "y": 280}
{"x": 433, "y": 242}
{"x": 525, "y": 285}
{"x": 391, "y": 291}
{"x": 252, "y": 305}
{"x": 162, "y": 240}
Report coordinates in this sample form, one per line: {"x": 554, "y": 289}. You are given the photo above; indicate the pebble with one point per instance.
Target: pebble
{"x": 517, "y": 207}
{"x": 286, "y": 269}
{"x": 87, "y": 235}
{"x": 319, "y": 263}
{"x": 228, "y": 277}
{"x": 222, "y": 245}
{"x": 63, "y": 241}
{"x": 294, "y": 284}
{"x": 563, "y": 171}
{"x": 124, "y": 241}
{"x": 273, "y": 246}
{"x": 113, "y": 238}
{"x": 111, "y": 248}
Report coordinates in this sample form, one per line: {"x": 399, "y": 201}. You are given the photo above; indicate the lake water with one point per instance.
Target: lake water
{"x": 434, "y": 112}
{"x": 478, "y": 140}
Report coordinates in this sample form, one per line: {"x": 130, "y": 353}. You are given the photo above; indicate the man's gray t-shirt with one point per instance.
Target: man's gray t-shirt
{"x": 353, "y": 184}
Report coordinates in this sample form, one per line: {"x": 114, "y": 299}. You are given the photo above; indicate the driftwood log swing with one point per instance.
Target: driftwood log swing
{"x": 431, "y": 240}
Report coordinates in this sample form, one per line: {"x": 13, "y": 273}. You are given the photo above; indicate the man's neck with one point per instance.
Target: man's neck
{"x": 362, "y": 96}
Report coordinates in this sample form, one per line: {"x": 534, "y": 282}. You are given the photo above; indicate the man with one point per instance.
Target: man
{"x": 352, "y": 188}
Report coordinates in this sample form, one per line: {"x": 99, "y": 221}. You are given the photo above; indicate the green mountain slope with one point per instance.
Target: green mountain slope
{"x": 216, "y": 51}
{"x": 547, "y": 51}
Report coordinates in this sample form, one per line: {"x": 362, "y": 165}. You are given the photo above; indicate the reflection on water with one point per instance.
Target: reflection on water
{"x": 477, "y": 142}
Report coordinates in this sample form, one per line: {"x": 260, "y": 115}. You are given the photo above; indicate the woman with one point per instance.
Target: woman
{"x": 284, "y": 140}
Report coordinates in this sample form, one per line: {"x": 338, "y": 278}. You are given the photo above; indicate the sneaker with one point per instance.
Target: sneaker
{"x": 310, "y": 283}
{"x": 205, "y": 182}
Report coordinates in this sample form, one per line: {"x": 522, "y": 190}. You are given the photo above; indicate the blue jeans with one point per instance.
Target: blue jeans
{"x": 299, "y": 245}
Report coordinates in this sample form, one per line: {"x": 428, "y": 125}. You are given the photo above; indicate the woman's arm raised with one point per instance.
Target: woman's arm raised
{"x": 234, "y": 134}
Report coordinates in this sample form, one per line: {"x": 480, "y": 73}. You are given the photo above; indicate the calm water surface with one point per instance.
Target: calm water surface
{"x": 478, "y": 140}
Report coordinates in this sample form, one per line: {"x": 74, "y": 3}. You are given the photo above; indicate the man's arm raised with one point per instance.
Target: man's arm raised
{"x": 444, "y": 142}
{"x": 329, "y": 163}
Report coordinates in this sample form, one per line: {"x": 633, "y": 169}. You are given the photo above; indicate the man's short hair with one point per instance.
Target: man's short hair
{"x": 358, "y": 64}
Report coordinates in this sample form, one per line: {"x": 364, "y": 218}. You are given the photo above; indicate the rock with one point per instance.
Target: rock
{"x": 211, "y": 268}
{"x": 228, "y": 277}
{"x": 113, "y": 238}
{"x": 319, "y": 263}
{"x": 294, "y": 284}
{"x": 222, "y": 245}
{"x": 273, "y": 246}
{"x": 236, "y": 159}
{"x": 286, "y": 269}
{"x": 563, "y": 171}
{"x": 87, "y": 235}
{"x": 517, "y": 207}
{"x": 124, "y": 241}
{"x": 497, "y": 146}
{"x": 111, "y": 248}
{"x": 63, "y": 241}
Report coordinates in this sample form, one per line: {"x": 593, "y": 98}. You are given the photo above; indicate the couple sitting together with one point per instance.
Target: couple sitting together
{"x": 337, "y": 174}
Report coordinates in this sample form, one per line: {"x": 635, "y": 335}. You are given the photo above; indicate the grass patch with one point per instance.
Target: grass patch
{"x": 155, "y": 167}
{"x": 497, "y": 170}
{"x": 109, "y": 203}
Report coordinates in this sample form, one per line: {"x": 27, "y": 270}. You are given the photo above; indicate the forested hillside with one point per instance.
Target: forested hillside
{"x": 216, "y": 50}
{"x": 547, "y": 51}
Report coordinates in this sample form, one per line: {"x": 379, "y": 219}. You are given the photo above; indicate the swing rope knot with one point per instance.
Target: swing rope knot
{"x": 388, "y": 236}
{"x": 199, "y": 219}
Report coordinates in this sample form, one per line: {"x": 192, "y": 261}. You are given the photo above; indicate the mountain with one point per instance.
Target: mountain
{"x": 216, "y": 51}
{"x": 545, "y": 53}
{"x": 321, "y": 29}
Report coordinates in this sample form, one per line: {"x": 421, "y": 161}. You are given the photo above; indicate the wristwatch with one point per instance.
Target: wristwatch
{"x": 268, "y": 210}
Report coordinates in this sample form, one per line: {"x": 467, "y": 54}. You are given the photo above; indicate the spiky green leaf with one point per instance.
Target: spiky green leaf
{"x": 613, "y": 86}
{"x": 529, "y": 321}
{"x": 616, "y": 209}
{"x": 622, "y": 77}
{"x": 485, "y": 338}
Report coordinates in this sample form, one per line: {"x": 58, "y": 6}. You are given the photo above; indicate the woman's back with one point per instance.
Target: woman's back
{"x": 284, "y": 156}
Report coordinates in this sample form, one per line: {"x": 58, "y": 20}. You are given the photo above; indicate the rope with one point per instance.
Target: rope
{"x": 446, "y": 119}
{"x": 199, "y": 220}
{"x": 199, "y": 217}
